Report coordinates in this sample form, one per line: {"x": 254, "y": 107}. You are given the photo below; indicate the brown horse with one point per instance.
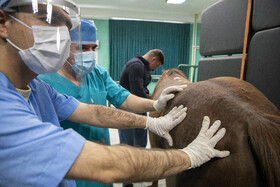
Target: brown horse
{"x": 253, "y": 131}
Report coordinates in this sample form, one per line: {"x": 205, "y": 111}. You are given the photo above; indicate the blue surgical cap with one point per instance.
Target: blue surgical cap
{"x": 4, "y": 3}
{"x": 88, "y": 32}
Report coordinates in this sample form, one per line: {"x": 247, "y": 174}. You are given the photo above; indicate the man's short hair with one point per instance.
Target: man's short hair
{"x": 157, "y": 53}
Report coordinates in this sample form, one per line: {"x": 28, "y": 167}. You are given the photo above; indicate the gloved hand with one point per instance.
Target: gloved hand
{"x": 166, "y": 95}
{"x": 202, "y": 149}
{"x": 161, "y": 126}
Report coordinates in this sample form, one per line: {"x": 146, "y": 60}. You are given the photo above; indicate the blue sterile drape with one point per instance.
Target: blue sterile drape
{"x": 130, "y": 37}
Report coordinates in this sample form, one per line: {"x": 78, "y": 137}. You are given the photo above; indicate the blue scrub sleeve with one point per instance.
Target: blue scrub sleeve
{"x": 64, "y": 104}
{"x": 33, "y": 152}
{"x": 116, "y": 93}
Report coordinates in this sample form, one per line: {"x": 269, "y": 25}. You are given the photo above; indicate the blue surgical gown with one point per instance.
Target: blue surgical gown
{"x": 34, "y": 149}
{"x": 98, "y": 87}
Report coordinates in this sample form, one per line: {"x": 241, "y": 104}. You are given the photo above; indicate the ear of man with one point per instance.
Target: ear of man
{"x": 154, "y": 59}
{"x": 4, "y": 22}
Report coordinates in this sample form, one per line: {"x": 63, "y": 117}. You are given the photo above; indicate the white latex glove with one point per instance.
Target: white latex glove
{"x": 166, "y": 95}
{"x": 161, "y": 126}
{"x": 202, "y": 149}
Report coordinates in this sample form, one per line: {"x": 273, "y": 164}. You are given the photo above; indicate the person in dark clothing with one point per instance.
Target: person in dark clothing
{"x": 135, "y": 77}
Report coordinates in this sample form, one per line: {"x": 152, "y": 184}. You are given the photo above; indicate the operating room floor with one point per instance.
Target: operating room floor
{"x": 114, "y": 138}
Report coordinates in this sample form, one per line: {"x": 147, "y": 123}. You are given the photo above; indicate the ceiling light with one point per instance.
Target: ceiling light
{"x": 175, "y": 1}
{"x": 150, "y": 20}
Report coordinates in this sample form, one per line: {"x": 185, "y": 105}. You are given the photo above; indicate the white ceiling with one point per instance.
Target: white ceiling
{"x": 143, "y": 9}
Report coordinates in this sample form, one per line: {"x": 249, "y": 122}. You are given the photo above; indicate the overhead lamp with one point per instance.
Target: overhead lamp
{"x": 150, "y": 20}
{"x": 175, "y": 1}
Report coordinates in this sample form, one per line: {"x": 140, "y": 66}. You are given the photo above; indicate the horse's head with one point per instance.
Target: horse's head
{"x": 169, "y": 77}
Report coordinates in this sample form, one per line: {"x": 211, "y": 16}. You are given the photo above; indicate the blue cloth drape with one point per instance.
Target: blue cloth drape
{"x": 130, "y": 37}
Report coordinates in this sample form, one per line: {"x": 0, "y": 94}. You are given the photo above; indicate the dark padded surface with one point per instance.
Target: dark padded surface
{"x": 218, "y": 67}
{"x": 263, "y": 68}
{"x": 222, "y": 28}
{"x": 266, "y": 14}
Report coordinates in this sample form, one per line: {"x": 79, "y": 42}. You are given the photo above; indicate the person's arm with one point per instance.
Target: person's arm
{"x": 122, "y": 98}
{"x": 102, "y": 116}
{"x": 137, "y": 104}
{"x": 110, "y": 164}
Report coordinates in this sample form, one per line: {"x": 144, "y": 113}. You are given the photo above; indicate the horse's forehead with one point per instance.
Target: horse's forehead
{"x": 172, "y": 73}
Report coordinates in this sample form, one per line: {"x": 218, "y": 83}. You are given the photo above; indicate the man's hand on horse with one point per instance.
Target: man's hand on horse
{"x": 166, "y": 95}
{"x": 161, "y": 126}
{"x": 202, "y": 149}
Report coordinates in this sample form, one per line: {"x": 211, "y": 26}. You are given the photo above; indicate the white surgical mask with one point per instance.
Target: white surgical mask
{"x": 84, "y": 62}
{"x": 50, "y": 50}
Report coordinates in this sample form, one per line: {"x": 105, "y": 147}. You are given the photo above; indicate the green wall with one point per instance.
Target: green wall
{"x": 152, "y": 85}
{"x": 104, "y": 49}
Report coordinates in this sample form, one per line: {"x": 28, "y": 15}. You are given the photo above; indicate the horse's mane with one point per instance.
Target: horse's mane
{"x": 169, "y": 73}
{"x": 172, "y": 72}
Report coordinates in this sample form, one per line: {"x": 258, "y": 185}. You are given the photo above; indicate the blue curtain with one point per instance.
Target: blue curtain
{"x": 128, "y": 38}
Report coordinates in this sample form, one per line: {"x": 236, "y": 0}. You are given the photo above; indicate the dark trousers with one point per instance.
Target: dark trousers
{"x": 134, "y": 137}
